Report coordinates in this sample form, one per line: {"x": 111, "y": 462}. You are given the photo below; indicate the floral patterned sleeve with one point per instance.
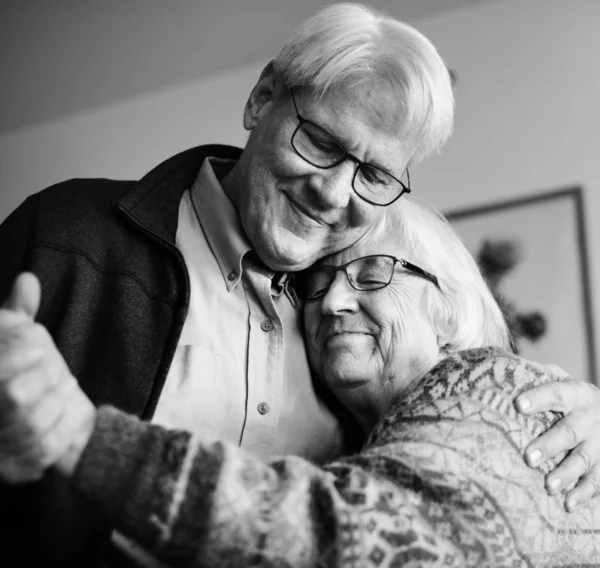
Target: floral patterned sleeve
{"x": 442, "y": 482}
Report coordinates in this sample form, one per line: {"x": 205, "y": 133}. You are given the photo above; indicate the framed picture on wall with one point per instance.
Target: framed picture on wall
{"x": 533, "y": 253}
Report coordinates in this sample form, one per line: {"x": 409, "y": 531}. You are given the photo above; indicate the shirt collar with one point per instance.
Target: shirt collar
{"x": 220, "y": 221}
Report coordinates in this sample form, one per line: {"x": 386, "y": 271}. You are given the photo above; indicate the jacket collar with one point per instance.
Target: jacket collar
{"x": 153, "y": 202}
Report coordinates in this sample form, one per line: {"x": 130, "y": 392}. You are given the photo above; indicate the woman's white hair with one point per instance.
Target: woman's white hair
{"x": 465, "y": 314}
{"x": 349, "y": 46}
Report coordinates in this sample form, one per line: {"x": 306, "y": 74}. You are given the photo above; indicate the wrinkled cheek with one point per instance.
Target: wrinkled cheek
{"x": 363, "y": 217}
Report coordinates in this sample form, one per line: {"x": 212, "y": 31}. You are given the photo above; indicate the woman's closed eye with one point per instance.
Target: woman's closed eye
{"x": 371, "y": 278}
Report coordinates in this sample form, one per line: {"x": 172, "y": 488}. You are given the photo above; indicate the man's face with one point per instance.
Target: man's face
{"x": 293, "y": 212}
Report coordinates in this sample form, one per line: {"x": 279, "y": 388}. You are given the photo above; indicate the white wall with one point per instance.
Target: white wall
{"x": 528, "y": 116}
{"x": 124, "y": 140}
{"x": 528, "y": 111}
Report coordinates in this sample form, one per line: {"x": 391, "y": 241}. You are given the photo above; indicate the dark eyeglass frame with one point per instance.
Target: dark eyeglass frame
{"x": 359, "y": 163}
{"x": 344, "y": 267}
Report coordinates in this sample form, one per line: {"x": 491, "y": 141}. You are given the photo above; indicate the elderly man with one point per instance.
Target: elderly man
{"x": 404, "y": 331}
{"x": 168, "y": 297}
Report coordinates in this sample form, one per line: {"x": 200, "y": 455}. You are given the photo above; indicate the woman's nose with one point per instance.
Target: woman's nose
{"x": 333, "y": 186}
{"x": 341, "y": 297}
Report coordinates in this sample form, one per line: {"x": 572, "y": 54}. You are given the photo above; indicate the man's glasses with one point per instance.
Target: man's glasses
{"x": 321, "y": 149}
{"x": 364, "y": 274}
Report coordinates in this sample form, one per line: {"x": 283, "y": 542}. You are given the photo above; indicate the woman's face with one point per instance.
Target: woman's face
{"x": 379, "y": 342}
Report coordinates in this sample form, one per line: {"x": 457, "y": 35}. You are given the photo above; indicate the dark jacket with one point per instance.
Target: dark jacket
{"x": 115, "y": 294}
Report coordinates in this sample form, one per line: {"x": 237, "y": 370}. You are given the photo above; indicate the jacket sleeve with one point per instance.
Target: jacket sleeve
{"x": 15, "y": 238}
{"x": 192, "y": 504}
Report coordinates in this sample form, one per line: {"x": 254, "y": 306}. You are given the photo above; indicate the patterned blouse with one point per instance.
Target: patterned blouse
{"x": 440, "y": 482}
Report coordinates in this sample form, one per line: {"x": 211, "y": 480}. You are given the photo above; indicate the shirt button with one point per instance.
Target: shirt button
{"x": 263, "y": 408}
{"x": 232, "y": 275}
{"x": 266, "y": 325}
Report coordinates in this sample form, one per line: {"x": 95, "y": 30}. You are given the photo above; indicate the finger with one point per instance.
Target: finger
{"x": 563, "y": 436}
{"x": 30, "y": 423}
{"x": 25, "y": 295}
{"x": 23, "y": 392}
{"x": 557, "y": 396}
{"x": 55, "y": 442}
{"x": 23, "y": 345}
{"x": 555, "y": 372}
{"x": 29, "y": 463}
{"x": 51, "y": 444}
{"x": 78, "y": 430}
{"x": 576, "y": 465}
{"x": 14, "y": 471}
{"x": 587, "y": 488}
{"x": 17, "y": 361}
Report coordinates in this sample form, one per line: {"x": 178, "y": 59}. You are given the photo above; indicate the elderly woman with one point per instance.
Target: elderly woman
{"x": 404, "y": 332}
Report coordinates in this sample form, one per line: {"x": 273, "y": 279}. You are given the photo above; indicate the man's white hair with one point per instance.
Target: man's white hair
{"x": 350, "y": 46}
{"x": 465, "y": 314}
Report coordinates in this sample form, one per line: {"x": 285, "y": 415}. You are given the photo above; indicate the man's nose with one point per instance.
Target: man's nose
{"x": 333, "y": 186}
{"x": 341, "y": 297}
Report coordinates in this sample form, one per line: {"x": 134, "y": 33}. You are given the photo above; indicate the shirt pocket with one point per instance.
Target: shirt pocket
{"x": 194, "y": 369}
{"x": 192, "y": 398}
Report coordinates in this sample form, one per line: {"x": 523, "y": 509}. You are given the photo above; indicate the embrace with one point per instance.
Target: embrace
{"x": 275, "y": 357}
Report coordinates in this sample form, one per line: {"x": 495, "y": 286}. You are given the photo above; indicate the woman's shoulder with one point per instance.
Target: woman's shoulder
{"x": 473, "y": 387}
{"x": 472, "y": 371}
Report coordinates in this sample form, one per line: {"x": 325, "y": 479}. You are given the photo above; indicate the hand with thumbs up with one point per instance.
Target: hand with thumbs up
{"x": 45, "y": 418}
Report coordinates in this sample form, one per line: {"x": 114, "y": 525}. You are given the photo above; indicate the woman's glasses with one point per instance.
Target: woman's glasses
{"x": 364, "y": 274}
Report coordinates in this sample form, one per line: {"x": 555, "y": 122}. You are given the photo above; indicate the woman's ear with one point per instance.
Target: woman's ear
{"x": 262, "y": 96}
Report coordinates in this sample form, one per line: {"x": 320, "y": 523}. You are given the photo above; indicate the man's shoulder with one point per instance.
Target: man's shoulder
{"x": 97, "y": 194}
{"x": 63, "y": 206}
{"x": 82, "y": 192}
{"x": 76, "y": 205}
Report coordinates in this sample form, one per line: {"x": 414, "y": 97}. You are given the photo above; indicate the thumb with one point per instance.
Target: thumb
{"x": 25, "y": 295}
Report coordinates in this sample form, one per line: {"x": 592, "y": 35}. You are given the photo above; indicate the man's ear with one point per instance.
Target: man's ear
{"x": 262, "y": 96}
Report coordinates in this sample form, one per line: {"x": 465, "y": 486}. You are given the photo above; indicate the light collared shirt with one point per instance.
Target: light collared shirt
{"x": 240, "y": 372}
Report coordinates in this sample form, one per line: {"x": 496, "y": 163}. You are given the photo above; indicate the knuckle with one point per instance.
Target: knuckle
{"x": 556, "y": 371}
{"x": 567, "y": 432}
{"x": 38, "y": 333}
{"x": 584, "y": 459}
{"x": 19, "y": 394}
{"x": 17, "y": 398}
{"x": 11, "y": 398}
{"x": 54, "y": 446}
{"x": 20, "y": 331}
{"x": 556, "y": 395}
{"x": 17, "y": 470}
{"x": 595, "y": 486}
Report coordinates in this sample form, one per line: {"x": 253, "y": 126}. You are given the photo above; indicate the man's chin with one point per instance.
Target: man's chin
{"x": 336, "y": 378}
{"x": 290, "y": 259}
{"x": 347, "y": 383}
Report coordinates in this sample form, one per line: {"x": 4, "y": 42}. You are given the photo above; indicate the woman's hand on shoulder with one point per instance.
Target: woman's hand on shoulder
{"x": 578, "y": 433}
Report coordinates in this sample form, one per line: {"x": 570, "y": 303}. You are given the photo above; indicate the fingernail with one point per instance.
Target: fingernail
{"x": 534, "y": 456}
{"x": 554, "y": 484}
{"x": 572, "y": 504}
{"x": 524, "y": 404}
